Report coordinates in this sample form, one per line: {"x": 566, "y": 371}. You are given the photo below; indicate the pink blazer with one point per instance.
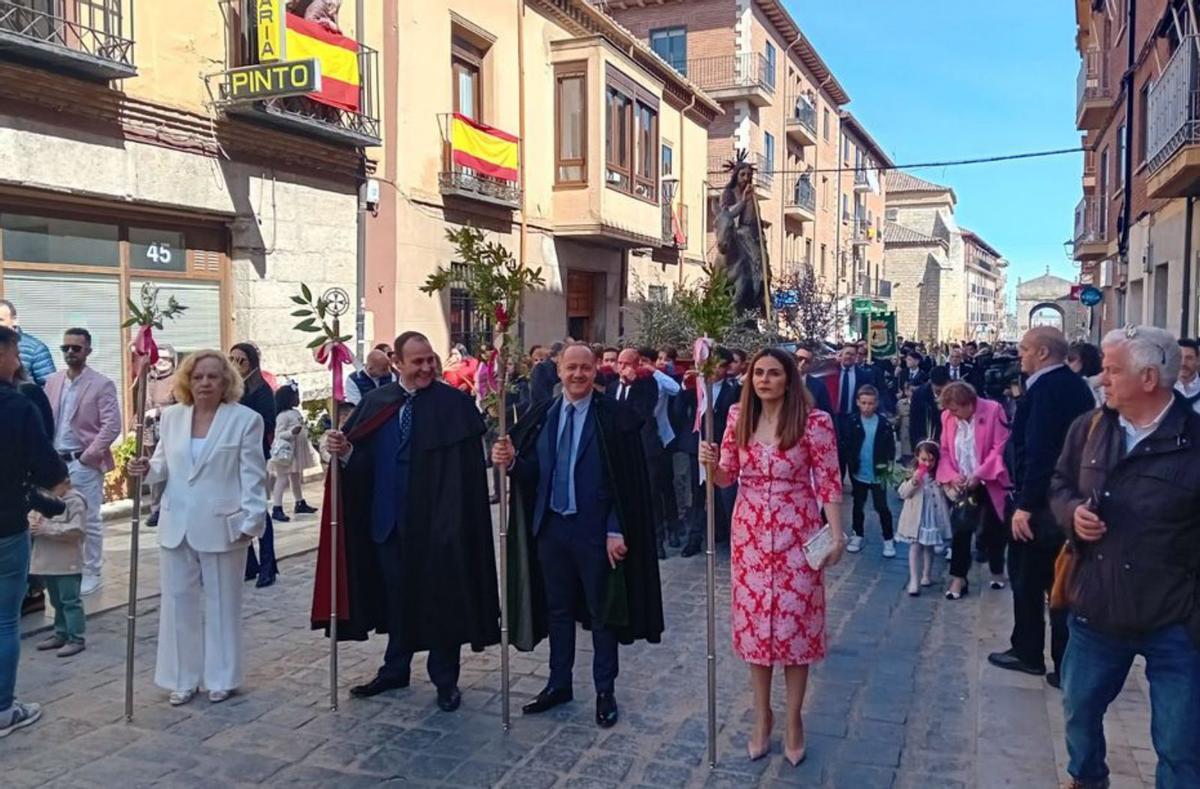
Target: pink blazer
{"x": 991, "y": 433}
{"x": 97, "y": 419}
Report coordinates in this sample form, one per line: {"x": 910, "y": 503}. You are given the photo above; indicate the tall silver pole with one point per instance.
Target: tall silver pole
{"x": 334, "y": 509}
{"x": 710, "y": 554}
{"x": 135, "y": 528}
{"x": 502, "y": 429}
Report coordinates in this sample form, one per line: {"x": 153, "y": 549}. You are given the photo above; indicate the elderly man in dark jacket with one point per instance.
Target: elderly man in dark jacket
{"x": 1054, "y": 397}
{"x": 1127, "y": 492}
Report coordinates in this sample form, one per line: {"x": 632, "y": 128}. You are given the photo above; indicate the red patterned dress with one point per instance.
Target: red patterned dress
{"x": 778, "y": 600}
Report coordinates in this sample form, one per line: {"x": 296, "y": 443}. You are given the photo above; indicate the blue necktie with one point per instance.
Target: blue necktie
{"x": 406, "y": 420}
{"x": 847, "y": 395}
{"x": 560, "y": 498}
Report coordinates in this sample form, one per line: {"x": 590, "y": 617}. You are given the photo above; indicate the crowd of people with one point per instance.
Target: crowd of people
{"x": 1070, "y": 471}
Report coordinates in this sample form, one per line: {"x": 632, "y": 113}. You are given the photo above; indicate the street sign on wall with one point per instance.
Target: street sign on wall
{"x": 1090, "y": 296}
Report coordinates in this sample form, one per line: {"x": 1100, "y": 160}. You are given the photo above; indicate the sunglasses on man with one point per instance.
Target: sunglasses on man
{"x": 71, "y": 348}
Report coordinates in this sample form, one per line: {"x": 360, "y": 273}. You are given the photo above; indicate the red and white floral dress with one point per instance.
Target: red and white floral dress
{"x": 778, "y": 600}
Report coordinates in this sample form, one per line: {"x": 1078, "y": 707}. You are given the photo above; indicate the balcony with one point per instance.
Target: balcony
{"x": 92, "y": 39}
{"x": 864, "y": 232}
{"x": 861, "y": 182}
{"x": 802, "y": 123}
{"x": 1089, "y": 230}
{"x": 1173, "y": 133}
{"x": 458, "y": 181}
{"x": 801, "y": 204}
{"x": 884, "y": 289}
{"x": 1089, "y": 171}
{"x": 730, "y": 77}
{"x": 675, "y": 226}
{"x": 360, "y": 129}
{"x": 1093, "y": 91}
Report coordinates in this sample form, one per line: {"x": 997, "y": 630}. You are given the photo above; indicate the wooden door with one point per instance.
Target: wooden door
{"x": 580, "y": 304}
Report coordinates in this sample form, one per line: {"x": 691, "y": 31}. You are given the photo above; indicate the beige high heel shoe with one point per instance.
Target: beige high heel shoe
{"x": 756, "y": 753}
{"x": 795, "y": 756}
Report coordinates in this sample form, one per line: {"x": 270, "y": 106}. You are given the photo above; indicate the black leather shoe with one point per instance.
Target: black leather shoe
{"x": 1054, "y": 680}
{"x": 691, "y": 549}
{"x": 449, "y": 699}
{"x": 606, "y": 710}
{"x": 548, "y": 699}
{"x": 662, "y": 551}
{"x": 1010, "y": 662}
{"x": 377, "y": 686}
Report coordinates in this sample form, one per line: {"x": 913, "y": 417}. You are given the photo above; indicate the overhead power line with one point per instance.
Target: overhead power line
{"x": 920, "y": 165}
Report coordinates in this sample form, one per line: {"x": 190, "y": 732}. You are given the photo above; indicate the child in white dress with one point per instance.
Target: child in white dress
{"x": 925, "y": 519}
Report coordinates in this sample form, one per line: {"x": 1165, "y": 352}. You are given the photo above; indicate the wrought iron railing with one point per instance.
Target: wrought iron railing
{"x": 1174, "y": 106}
{"x": 360, "y": 128}
{"x": 750, "y": 70}
{"x": 1092, "y": 82}
{"x": 803, "y": 195}
{"x": 860, "y": 178}
{"x": 805, "y": 115}
{"x": 96, "y": 28}
{"x": 1089, "y": 223}
{"x": 466, "y": 182}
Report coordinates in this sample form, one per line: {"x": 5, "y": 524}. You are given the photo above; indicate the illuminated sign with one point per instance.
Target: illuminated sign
{"x": 294, "y": 78}
{"x": 272, "y": 26}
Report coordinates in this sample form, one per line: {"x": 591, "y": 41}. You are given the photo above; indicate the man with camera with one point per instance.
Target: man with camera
{"x": 29, "y": 459}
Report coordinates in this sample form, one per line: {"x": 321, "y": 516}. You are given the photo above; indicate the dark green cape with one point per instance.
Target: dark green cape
{"x": 634, "y": 601}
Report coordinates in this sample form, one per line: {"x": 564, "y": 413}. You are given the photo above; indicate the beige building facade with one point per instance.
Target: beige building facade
{"x": 119, "y": 166}
{"x": 608, "y": 198}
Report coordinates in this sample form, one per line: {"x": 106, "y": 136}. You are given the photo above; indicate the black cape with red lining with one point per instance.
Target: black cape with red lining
{"x": 633, "y": 608}
{"x": 449, "y": 568}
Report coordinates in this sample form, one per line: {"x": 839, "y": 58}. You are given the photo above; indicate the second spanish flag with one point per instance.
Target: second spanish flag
{"x": 482, "y": 148}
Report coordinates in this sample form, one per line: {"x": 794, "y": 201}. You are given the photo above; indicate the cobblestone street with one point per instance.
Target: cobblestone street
{"x": 905, "y": 699}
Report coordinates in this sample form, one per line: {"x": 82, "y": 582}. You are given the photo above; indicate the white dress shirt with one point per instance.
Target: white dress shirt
{"x": 65, "y": 439}
{"x": 964, "y": 447}
{"x": 1188, "y": 389}
{"x": 1135, "y": 434}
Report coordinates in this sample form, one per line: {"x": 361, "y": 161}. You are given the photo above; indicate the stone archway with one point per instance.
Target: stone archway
{"x": 1047, "y": 313}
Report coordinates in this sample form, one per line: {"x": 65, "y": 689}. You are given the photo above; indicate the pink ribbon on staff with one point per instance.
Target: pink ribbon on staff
{"x": 335, "y": 356}
{"x": 700, "y": 353}
{"x": 145, "y": 350}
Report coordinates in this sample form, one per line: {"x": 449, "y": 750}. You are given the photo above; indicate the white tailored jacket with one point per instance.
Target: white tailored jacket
{"x": 219, "y": 502}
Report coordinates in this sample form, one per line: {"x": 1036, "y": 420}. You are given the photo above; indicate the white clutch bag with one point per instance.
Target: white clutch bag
{"x": 818, "y": 547}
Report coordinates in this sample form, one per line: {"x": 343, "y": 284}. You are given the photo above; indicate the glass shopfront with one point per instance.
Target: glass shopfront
{"x": 64, "y": 269}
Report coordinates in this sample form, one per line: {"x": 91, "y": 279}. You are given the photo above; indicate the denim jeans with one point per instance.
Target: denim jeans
{"x": 1094, "y": 671}
{"x": 14, "y": 572}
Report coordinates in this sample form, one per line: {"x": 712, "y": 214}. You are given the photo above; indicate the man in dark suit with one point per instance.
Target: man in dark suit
{"x": 925, "y": 415}
{"x": 726, "y": 393}
{"x": 544, "y": 376}
{"x": 583, "y": 501}
{"x": 636, "y": 387}
{"x": 1054, "y": 397}
{"x": 816, "y": 387}
{"x": 960, "y": 369}
{"x": 910, "y": 371}
{"x": 843, "y": 385}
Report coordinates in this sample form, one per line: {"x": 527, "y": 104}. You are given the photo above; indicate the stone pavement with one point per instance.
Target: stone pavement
{"x": 905, "y": 699}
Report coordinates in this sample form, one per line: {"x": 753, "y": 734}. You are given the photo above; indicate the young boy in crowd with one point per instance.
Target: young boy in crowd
{"x": 872, "y": 450}
{"x": 58, "y": 560}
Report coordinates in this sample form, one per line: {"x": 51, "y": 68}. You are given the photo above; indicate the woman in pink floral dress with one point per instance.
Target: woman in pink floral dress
{"x": 783, "y": 454}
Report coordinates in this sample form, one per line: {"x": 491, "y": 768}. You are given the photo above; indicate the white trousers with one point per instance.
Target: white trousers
{"x": 90, "y": 484}
{"x": 200, "y": 619}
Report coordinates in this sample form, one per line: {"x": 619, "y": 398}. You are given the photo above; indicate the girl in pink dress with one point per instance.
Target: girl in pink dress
{"x": 783, "y": 454}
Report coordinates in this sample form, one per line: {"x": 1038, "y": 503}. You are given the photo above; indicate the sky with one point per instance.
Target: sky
{"x": 937, "y": 80}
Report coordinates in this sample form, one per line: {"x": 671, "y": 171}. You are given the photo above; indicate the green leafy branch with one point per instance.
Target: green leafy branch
{"x": 312, "y": 313}
{"x": 710, "y": 309}
{"x": 148, "y": 313}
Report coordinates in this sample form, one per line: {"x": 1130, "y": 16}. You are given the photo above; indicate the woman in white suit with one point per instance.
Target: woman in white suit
{"x": 210, "y": 457}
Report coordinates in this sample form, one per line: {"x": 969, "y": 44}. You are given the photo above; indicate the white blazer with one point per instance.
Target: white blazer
{"x": 219, "y": 501}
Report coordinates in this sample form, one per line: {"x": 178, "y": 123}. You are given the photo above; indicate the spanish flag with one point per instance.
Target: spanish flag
{"x": 483, "y": 148}
{"x": 338, "y": 56}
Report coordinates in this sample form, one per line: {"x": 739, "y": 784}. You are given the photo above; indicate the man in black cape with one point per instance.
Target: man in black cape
{"x": 581, "y": 538}
{"x": 416, "y": 559}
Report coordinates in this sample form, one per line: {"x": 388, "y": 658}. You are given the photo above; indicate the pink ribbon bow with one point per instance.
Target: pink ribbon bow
{"x": 335, "y": 356}
{"x": 700, "y": 353}
{"x": 145, "y": 350}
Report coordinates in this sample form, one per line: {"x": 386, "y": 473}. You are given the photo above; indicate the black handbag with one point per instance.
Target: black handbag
{"x": 965, "y": 516}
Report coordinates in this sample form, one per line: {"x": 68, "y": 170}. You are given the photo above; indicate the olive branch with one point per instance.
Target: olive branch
{"x": 314, "y": 310}
{"x": 149, "y": 313}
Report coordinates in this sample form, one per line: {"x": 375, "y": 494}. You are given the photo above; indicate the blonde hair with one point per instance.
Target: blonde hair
{"x": 183, "y": 378}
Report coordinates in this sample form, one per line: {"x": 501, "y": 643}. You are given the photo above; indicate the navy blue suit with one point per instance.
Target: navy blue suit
{"x": 572, "y": 549}
{"x": 392, "y": 453}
